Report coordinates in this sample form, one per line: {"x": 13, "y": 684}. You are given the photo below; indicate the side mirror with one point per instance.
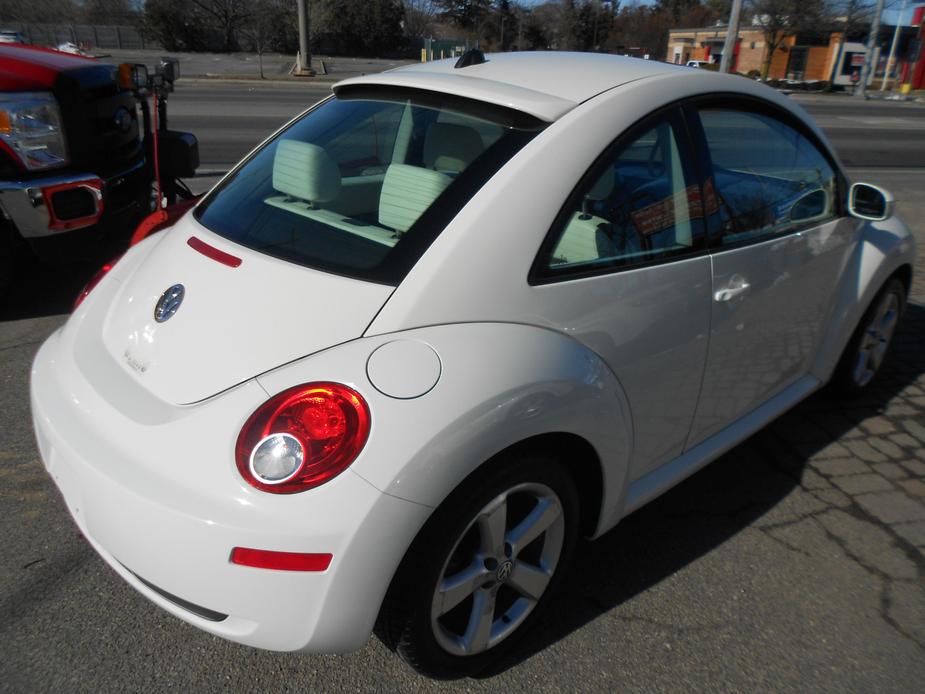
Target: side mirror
{"x": 866, "y": 201}
{"x": 170, "y": 68}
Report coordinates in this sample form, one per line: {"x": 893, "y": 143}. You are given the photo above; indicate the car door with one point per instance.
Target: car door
{"x": 625, "y": 271}
{"x": 778, "y": 245}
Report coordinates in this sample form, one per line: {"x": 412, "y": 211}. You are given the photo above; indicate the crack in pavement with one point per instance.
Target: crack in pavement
{"x": 886, "y": 583}
{"x": 859, "y": 514}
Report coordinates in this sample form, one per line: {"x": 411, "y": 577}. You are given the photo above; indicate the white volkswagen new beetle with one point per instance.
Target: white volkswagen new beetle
{"x": 442, "y": 324}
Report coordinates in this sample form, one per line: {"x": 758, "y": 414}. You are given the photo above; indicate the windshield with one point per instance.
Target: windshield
{"x": 363, "y": 183}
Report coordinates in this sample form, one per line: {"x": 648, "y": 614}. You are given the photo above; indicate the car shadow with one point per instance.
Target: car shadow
{"x": 718, "y": 502}
{"x": 45, "y": 290}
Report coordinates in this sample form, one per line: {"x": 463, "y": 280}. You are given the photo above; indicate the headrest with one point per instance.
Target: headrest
{"x": 305, "y": 171}
{"x": 451, "y": 147}
{"x": 406, "y": 192}
{"x": 604, "y": 186}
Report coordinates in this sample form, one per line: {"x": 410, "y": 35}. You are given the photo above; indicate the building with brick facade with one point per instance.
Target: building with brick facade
{"x": 803, "y": 56}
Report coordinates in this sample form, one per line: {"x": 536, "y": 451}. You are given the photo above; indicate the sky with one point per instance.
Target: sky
{"x": 891, "y": 15}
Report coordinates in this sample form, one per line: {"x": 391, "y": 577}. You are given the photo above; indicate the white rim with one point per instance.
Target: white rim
{"x": 498, "y": 569}
{"x": 875, "y": 340}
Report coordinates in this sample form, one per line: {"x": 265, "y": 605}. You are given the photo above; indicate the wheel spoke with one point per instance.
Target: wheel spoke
{"x": 861, "y": 366}
{"x": 882, "y": 310}
{"x": 456, "y": 588}
{"x": 528, "y": 580}
{"x": 888, "y": 324}
{"x": 543, "y": 515}
{"x": 877, "y": 354}
{"x": 478, "y": 631}
{"x": 492, "y": 523}
{"x": 876, "y": 341}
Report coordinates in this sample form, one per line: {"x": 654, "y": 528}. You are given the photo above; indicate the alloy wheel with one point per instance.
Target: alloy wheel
{"x": 498, "y": 569}
{"x": 875, "y": 340}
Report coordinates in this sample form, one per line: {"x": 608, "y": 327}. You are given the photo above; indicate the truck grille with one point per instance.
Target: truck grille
{"x": 101, "y": 122}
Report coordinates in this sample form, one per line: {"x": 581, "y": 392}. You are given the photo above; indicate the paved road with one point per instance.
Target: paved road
{"x": 794, "y": 563}
{"x": 229, "y": 119}
{"x": 886, "y": 134}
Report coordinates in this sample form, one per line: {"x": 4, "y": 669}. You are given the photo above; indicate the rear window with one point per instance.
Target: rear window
{"x": 363, "y": 183}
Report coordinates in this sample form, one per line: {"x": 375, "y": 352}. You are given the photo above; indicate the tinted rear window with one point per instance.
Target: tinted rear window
{"x": 362, "y": 184}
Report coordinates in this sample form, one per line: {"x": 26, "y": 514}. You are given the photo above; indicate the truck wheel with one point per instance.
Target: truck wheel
{"x": 6, "y": 257}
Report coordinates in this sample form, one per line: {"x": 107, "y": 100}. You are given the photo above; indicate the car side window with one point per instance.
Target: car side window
{"x": 768, "y": 178}
{"x": 639, "y": 204}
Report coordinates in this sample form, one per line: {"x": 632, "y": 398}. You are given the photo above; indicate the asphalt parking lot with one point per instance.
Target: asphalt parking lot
{"x": 796, "y": 562}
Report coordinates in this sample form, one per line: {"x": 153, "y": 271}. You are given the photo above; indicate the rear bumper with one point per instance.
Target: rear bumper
{"x": 24, "y": 201}
{"x": 165, "y": 518}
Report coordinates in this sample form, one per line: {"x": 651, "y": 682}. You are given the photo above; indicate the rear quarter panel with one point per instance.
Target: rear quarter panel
{"x": 499, "y": 385}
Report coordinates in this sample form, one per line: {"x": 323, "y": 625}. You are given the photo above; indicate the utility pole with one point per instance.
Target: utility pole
{"x": 732, "y": 34}
{"x": 869, "y": 55}
{"x": 889, "y": 61}
{"x": 303, "y": 65}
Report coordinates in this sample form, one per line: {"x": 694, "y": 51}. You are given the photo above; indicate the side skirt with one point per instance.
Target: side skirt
{"x": 646, "y": 488}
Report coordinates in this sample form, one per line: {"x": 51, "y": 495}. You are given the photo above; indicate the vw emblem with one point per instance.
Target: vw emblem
{"x": 504, "y": 571}
{"x": 169, "y": 302}
{"x": 122, "y": 119}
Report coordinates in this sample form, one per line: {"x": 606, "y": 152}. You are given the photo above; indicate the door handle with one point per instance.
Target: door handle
{"x": 737, "y": 285}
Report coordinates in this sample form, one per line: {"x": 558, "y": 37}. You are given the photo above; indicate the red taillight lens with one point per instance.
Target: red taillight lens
{"x": 95, "y": 280}
{"x": 302, "y": 437}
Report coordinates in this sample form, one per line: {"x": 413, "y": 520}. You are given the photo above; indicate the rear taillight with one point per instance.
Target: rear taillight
{"x": 95, "y": 280}
{"x": 302, "y": 437}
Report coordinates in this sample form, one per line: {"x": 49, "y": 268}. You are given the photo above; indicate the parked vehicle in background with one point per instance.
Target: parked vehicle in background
{"x": 76, "y": 151}
{"x": 697, "y": 63}
{"x": 443, "y": 323}
{"x": 72, "y": 48}
{"x": 11, "y": 36}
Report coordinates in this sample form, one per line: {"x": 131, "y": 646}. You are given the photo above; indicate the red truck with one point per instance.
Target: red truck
{"x": 77, "y": 152}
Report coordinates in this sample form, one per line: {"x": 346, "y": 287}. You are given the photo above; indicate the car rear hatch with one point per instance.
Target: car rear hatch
{"x": 242, "y": 313}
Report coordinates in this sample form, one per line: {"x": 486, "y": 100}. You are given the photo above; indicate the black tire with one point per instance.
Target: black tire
{"x": 7, "y": 263}
{"x": 408, "y": 621}
{"x": 852, "y": 378}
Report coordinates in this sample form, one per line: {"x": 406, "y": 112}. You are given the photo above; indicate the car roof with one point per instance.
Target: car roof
{"x": 545, "y": 84}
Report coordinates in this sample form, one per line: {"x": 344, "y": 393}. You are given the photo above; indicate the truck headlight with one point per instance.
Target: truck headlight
{"x": 30, "y": 125}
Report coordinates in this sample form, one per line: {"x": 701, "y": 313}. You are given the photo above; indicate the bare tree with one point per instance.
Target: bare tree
{"x": 853, "y": 15}
{"x": 229, "y": 16}
{"x": 259, "y": 28}
{"x": 38, "y": 10}
{"x": 780, "y": 19}
{"x": 420, "y": 16}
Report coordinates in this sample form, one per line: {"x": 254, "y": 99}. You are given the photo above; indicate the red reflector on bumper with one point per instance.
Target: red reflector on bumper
{"x": 283, "y": 561}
